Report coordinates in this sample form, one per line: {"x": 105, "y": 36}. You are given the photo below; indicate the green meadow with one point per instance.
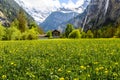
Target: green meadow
{"x": 60, "y": 59}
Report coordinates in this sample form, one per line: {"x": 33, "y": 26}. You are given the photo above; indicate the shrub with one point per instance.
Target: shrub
{"x": 68, "y": 29}
{"x": 24, "y": 35}
{"x": 31, "y": 34}
{"x": 117, "y": 34}
{"x": 12, "y": 33}
{"x": 2, "y": 32}
{"x": 49, "y": 34}
{"x": 75, "y": 34}
{"x": 83, "y": 35}
{"x": 16, "y": 35}
{"x": 89, "y": 34}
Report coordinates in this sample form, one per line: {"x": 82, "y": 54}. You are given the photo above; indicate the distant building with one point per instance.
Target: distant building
{"x": 56, "y": 33}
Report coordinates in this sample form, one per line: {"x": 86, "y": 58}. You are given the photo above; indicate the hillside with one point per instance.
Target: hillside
{"x": 41, "y": 12}
{"x": 10, "y": 9}
{"x": 98, "y": 13}
{"x": 101, "y": 13}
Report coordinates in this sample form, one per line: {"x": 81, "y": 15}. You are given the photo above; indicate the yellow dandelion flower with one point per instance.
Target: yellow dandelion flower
{"x": 4, "y": 76}
{"x": 115, "y": 74}
{"x": 106, "y": 72}
{"x": 96, "y": 69}
{"x": 95, "y": 62}
{"x": 68, "y": 71}
{"x": 88, "y": 75}
{"x": 116, "y": 63}
{"x": 12, "y": 63}
{"x": 59, "y": 70}
{"x": 83, "y": 67}
{"x": 0, "y": 67}
{"x": 101, "y": 68}
{"x": 61, "y": 78}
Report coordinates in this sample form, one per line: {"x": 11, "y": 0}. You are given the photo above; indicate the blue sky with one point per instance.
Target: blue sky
{"x": 65, "y": 1}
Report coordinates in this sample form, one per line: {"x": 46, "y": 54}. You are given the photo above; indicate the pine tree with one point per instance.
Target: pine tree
{"x": 68, "y": 29}
{"x": 22, "y": 21}
{"x": 15, "y": 24}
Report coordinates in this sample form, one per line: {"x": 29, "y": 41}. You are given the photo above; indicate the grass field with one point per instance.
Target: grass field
{"x": 85, "y": 59}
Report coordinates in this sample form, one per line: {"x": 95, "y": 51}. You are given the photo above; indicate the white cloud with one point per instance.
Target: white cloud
{"x": 79, "y": 2}
{"x": 43, "y": 4}
{"x": 45, "y": 7}
{"x": 71, "y": 4}
{"x": 48, "y": 4}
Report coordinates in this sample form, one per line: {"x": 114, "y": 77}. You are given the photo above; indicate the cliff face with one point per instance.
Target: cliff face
{"x": 9, "y": 10}
{"x": 100, "y": 13}
{"x": 3, "y": 20}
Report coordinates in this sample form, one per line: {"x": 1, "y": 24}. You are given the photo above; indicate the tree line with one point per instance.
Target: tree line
{"x": 108, "y": 31}
{"x": 20, "y": 29}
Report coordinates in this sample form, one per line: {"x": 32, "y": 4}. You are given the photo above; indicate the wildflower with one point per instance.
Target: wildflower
{"x": 97, "y": 69}
{"x": 4, "y": 76}
{"x": 95, "y": 62}
{"x": 59, "y": 70}
{"x": 116, "y": 63}
{"x": 11, "y": 63}
{"x": 75, "y": 79}
{"x": 101, "y": 68}
{"x": 106, "y": 71}
{"x": 88, "y": 66}
{"x": 0, "y": 67}
{"x": 115, "y": 74}
{"x": 33, "y": 76}
{"x": 88, "y": 75}
{"x": 83, "y": 67}
{"x": 112, "y": 53}
{"x": 10, "y": 51}
{"x": 61, "y": 78}
{"x": 68, "y": 71}
{"x": 14, "y": 64}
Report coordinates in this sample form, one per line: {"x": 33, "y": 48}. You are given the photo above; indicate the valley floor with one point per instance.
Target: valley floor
{"x": 60, "y": 59}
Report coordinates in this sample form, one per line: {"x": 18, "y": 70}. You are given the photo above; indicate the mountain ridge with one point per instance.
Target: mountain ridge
{"x": 10, "y": 10}
{"x": 53, "y": 21}
{"x": 99, "y": 13}
{"x": 40, "y": 15}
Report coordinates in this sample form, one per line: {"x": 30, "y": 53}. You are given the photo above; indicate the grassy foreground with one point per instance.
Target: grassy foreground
{"x": 86, "y": 59}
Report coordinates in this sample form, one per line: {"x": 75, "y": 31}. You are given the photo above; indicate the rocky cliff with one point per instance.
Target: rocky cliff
{"x": 98, "y": 13}
{"x": 9, "y": 10}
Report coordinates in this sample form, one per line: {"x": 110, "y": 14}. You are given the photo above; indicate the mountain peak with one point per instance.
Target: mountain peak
{"x": 46, "y": 7}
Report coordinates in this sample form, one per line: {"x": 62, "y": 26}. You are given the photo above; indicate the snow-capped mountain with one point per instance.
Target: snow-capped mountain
{"x": 40, "y": 13}
{"x": 56, "y": 18}
{"x": 63, "y": 15}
